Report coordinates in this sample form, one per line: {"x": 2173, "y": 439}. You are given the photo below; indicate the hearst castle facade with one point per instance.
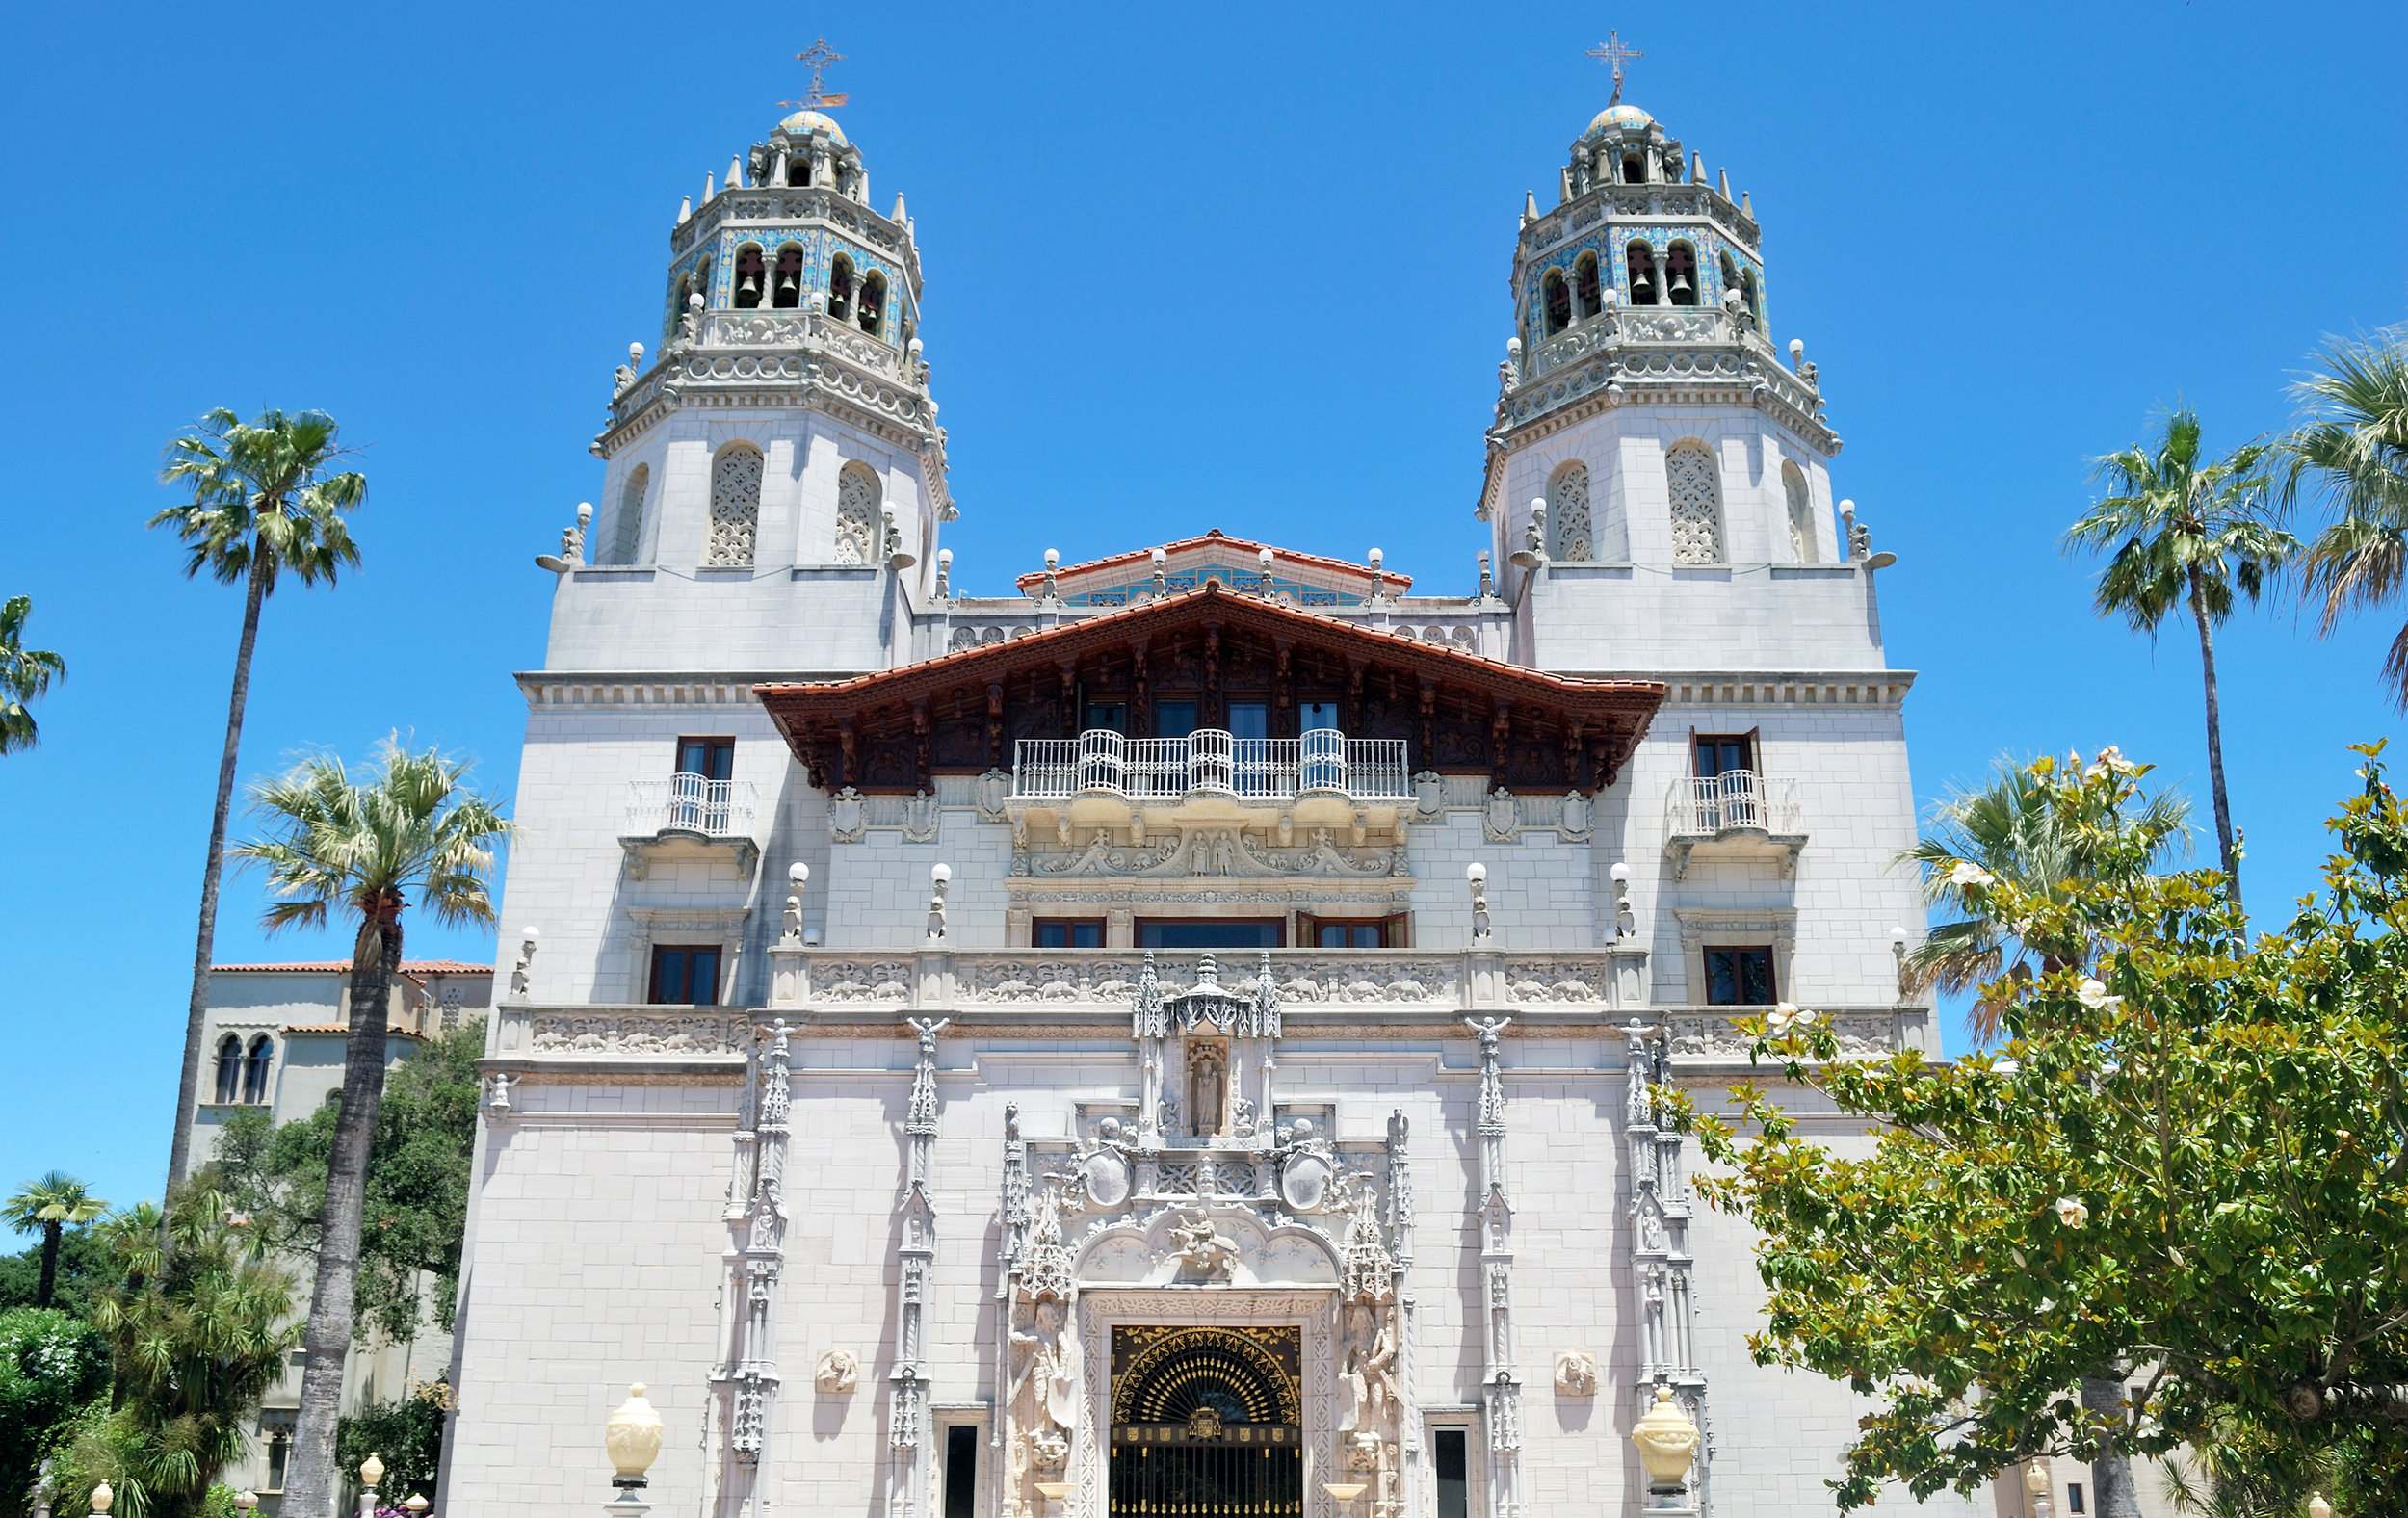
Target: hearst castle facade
{"x": 1178, "y": 1040}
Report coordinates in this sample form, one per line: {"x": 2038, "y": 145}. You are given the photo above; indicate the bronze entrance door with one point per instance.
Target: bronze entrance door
{"x": 1207, "y": 1422}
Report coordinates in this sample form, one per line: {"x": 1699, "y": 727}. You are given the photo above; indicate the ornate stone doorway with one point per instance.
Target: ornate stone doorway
{"x": 1206, "y": 1422}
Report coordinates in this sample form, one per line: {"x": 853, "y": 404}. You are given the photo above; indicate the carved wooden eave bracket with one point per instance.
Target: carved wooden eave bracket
{"x": 1457, "y": 712}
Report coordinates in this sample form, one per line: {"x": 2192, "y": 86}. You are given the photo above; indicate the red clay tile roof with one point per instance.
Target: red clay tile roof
{"x": 326, "y": 966}
{"x": 1246, "y": 548}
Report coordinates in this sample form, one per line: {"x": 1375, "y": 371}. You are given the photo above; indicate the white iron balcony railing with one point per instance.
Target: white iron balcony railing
{"x": 1209, "y": 760}
{"x": 690, "y": 805}
{"x": 1735, "y": 800}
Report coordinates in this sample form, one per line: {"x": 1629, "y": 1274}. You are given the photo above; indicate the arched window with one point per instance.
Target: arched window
{"x": 627, "y": 528}
{"x": 1748, "y": 288}
{"x": 749, "y": 277}
{"x": 1729, "y": 273}
{"x": 873, "y": 302}
{"x": 1567, "y": 513}
{"x": 1641, "y": 262}
{"x": 735, "y": 507}
{"x": 786, "y": 284}
{"x": 1690, "y": 470}
{"x": 1634, "y": 169}
{"x": 798, "y": 168}
{"x": 1584, "y": 285}
{"x": 255, "y": 1068}
{"x": 840, "y": 288}
{"x": 1558, "y": 299}
{"x": 1680, "y": 274}
{"x": 1802, "y": 535}
{"x": 678, "y": 289}
{"x": 857, "y": 495}
{"x": 229, "y": 1067}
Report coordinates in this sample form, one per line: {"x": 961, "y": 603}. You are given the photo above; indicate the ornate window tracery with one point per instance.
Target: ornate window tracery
{"x": 1567, "y": 513}
{"x": 735, "y": 507}
{"x": 1802, "y": 535}
{"x": 1696, "y": 504}
{"x": 856, "y": 513}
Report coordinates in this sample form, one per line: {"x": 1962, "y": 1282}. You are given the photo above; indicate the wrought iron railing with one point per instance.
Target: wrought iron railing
{"x": 1210, "y": 760}
{"x": 693, "y": 804}
{"x": 1735, "y": 800}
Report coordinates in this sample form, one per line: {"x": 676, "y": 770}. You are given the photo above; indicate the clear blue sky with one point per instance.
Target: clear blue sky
{"x": 1234, "y": 266}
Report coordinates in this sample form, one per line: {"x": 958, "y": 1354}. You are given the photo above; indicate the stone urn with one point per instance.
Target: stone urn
{"x": 633, "y": 1438}
{"x": 1667, "y": 1442}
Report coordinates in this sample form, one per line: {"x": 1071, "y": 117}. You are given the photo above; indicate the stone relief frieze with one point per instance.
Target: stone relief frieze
{"x": 861, "y": 980}
{"x": 639, "y": 1033}
{"x": 1365, "y": 980}
{"x": 1229, "y": 853}
{"x": 1550, "y": 981}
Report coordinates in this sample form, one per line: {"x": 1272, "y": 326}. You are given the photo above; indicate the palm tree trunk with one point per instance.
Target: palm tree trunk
{"x": 2215, "y": 739}
{"x": 2111, "y": 1487}
{"x": 196, "y": 1011}
{"x": 50, "y": 1231}
{"x": 311, "y": 1481}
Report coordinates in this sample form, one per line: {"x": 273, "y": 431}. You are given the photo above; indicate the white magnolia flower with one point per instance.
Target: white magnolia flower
{"x": 1781, "y": 1016}
{"x": 2111, "y": 760}
{"x": 1965, "y": 874}
{"x": 2095, "y": 996}
{"x": 2071, "y": 1212}
{"x": 1806, "y": 1019}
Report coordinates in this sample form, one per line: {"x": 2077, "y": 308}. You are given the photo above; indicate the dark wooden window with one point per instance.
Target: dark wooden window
{"x": 280, "y": 1452}
{"x": 1452, "y": 1455}
{"x": 1719, "y": 753}
{"x": 1211, "y": 933}
{"x": 712, "y": 758}
{"x": 2072, "y": 1496}
{"x": 1354, "y": 933}
{"x": 1740, "y": 978}
{"x": 1113, "y": 716}
{"x": 229, "y": 1067}
{"x": 1068, "y": 933}
{"x": 1174, "y": 719}
{"x": 686, "y": 975}
{"x": 961, "y": 1471}
{"x": 256, "y": 1065}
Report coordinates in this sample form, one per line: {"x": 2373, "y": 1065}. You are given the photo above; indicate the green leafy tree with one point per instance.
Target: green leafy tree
{"x": 25, "y": 675}
{"x": 267, "y": 501}
{"x": 406, "y": 1436}
{"x": 49, "y": 1207}
{"x": 2352, "y": 445}
{"x": 82, "y": 1266}
{"x": 2184, "y": 531}
{"x": 416, "y": 1212}
{"x": 2186, "y": 1175}
{"x": 2007, "y": 830}
{"x": 198, "y": 1330}
{"x": 50, "y": 1364}
{"x": 362, "y": 848}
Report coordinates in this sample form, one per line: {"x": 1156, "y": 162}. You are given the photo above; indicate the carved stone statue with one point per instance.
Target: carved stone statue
{"x": 838, "y": 1371}
{"x": 1206, "y": 1249}
{"x": 1045, "y": 1387}
{"x": 1576, "y": 1372}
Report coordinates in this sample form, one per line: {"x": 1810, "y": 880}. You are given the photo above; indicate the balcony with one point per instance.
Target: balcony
{"x": 1210, "y": 764}
{"x": 690, "y": 816}
{"x": 1738, "y": 814}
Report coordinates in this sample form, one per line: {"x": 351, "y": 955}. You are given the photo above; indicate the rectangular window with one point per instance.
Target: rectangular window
{"x": 961, "y": 1471}
{"x": 1174, "y": 719}
{"x": 1111, "y": 715}
{"x": 1249, "y": 722}
{"x": 1719, "y": 753}
{"x": 1352, "y": 932}
{"x": 1068, "y": 933}
{"x": 1452, "y": 1456}
{"x": 2072, "y": 1496}
{"x": 1316, "y": 716}
{"x": 280, "y": 1449}
{"x": 1740, "y": 978}
{"x": 686, "y": 975}
{"x": 1211, "y": 933}
{"x": 712, "y": 758}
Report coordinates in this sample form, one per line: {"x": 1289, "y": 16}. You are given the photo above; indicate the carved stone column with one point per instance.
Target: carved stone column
{"x": 744, "y": 1384}
{"x": 907, "y": 1436}
{"x": 1407, "y": 1318}
{"x": 1501, "y": 1387}
{"x": 1661, "y": 1265}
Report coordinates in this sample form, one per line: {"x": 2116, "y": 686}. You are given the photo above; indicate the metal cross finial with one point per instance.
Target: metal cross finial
{"x": 816, "y": 58}
{"x": 1610, "y": 51}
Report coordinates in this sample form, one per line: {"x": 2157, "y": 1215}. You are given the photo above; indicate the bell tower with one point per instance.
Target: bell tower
{"x": 781, "y": 450}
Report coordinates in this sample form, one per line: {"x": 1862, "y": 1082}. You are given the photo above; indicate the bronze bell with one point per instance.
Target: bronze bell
{"x": 1680, "y": 284}
{"x": 786, "y": 284}
{"x": 749, "y": 285}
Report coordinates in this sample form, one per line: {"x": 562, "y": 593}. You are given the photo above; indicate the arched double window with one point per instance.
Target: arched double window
{"x": 1641, "y": 259}
{"x": 1567, "y": 513}
{"x": 840, "y": 288}
{"x": 857, "y": 494}
{"x": 1558, "y": 301}
{"x": 786, "y": 281}
{"x": 1697, "y": 489}
{"x": 1680, "y": 274}
{"x": 256, "y": 1067}
{"x": 735, "y": 507}
{"x": 627, "y": 528}
{"x": 1803, "y": 539}
{"x": 229, "y": 1068}
{"x": 1584, "y": 286}
{"x": 750, "y": 276}
{"x": 873, "y": 302}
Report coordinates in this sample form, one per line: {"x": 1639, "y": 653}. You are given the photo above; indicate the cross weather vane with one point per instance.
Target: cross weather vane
{"x": 816, "y": 58}
{"x": 1610, "y": 51}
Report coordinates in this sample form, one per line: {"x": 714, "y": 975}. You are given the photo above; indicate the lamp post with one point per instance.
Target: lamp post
{"x": 101, "y": 1498}
{"x": 1346, "y": 1492}
{"x": 2036, "y": 1483}
{"x": 416, "y": 1506}
{"x": 2317, "y": 1506}
{"x": 371, "y": 1471}
{"x": 1054, "y": 1492}
{"x": 1478, "y": 873}
{"x": 633, "y": 1438}
{"x": 246, "y": 1503}
{"x": 1667, "y": 1445}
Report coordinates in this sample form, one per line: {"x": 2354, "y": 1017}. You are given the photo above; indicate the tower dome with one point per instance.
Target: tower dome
{"x": 803, "y": 123}
{"x": 1619, "y": 115}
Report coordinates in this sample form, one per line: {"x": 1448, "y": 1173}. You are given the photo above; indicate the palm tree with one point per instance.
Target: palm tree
{"x": 2185, "y": 531}
{"x": 25, "y": 675}
{"x": 264, "y": 502}
{"x": 361, "y": 849}
{"x": 49, "y": 1207}
{"x": 2007, "y": 830}
{"x": 2353, "y": 442}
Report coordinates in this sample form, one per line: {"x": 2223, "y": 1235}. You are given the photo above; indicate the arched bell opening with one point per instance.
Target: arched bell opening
{"x": 1640, "y": 260}
{"x": 786, "y": 281}
{"x": 1680, "y": 274}
{"x": 1584, "y": 285}
{"x": 751, "y": 278}
{"x": 1558, "y": 298}
{"x": 873, "y": 302}
{"x": 840, "y": 288}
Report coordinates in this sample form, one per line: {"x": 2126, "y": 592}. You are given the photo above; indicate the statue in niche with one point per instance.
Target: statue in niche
{"x": 1206, "y": 1249}
{"x": 1208, "y": 1081}
{"x": 1370, "y": 1375}
{"x": 1044, "y": 1397}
